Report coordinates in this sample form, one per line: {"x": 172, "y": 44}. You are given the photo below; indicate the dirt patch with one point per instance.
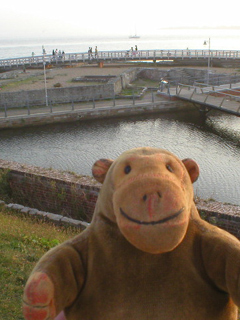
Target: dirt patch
{"x": 19, "y": 80}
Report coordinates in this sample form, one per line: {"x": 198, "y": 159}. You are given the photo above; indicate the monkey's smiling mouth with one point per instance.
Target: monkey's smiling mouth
{"x": 146, "y": 223}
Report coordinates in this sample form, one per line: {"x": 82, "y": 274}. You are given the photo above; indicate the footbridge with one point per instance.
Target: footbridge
{"x": 174, "y": 56}
{"x": 223, "y": 97}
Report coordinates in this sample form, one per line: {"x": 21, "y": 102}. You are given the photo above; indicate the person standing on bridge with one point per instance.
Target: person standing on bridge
{"x": 163, "y": 84}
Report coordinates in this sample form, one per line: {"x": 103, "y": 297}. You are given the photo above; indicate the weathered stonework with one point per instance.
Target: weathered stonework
{"x": 54, "y": 218}
{"x": 64, "y": 197}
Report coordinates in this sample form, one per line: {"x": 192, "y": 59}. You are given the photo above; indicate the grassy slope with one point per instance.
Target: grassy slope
{"x": 22, "y": 242}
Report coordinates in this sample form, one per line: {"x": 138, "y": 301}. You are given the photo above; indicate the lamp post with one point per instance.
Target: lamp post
{"x": 209, "y": 52}
{"x": 44, "y": 72}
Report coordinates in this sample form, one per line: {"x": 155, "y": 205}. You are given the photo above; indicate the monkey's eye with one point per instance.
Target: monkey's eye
{"x": 127, "y": 169}
{"x": 169, "y": 168}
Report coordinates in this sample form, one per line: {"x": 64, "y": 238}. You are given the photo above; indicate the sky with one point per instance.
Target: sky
{"x": 46, "y": 19}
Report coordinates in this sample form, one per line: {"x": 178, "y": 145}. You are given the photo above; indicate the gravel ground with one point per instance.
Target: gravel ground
{"x": 33, "y": 79}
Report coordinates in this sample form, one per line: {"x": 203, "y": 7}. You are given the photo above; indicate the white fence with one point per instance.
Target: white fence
{"x": 122, "y": 55}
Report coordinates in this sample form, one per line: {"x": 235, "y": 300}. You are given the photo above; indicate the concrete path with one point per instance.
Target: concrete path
{"x": 148, "y": 98}
{"x": 205, "y": 96}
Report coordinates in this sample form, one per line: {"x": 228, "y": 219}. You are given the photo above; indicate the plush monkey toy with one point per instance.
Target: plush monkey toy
{"x": 147, "y": 254}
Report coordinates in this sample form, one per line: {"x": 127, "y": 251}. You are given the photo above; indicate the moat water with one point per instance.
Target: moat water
{"x": 74, "y": 147}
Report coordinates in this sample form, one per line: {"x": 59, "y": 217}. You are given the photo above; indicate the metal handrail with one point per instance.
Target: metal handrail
{"x": 212, "y": 91}
{"x": 209, "y": 94}
{"x": 215, "y": 80}
{"x": 223, "y": 79}
{"x": 125, "y": 55}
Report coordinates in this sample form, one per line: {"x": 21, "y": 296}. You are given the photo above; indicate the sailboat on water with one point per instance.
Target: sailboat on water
{"x": 134, "y": 36}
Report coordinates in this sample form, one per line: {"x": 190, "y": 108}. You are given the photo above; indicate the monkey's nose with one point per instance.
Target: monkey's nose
{"x": 154, "y": 195}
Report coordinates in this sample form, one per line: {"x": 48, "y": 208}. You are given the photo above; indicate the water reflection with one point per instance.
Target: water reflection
{"x": 76, "y": 146}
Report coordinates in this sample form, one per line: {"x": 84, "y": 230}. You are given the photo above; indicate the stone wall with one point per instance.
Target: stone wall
{"x": 186, "y": 76}
{"x": 225, "y": 216}
{"x": 82, "y": 115}
{"x": 103, "y": 91}
{"x": 50, "y": 190}
{"x": 74, "y": 196}
{"x": 56, "y": 95}
{"x": 183, "y": 75}
{"x": 69, "y": 94}
{"x": 125, "y": 79}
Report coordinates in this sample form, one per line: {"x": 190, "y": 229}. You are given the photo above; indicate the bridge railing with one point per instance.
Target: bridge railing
{"x": 51, "y": 106}
{"x": 209, "y": 82}
{"x": 157, "y": 54}
{"x": 224, "y": 96}
{"x": 217, "y": 80}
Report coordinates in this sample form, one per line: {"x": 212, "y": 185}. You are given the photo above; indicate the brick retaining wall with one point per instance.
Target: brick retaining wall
{"x": 225, "y": 216}
{"x": 74, "y": 196}
{"x": 50, "y": 190}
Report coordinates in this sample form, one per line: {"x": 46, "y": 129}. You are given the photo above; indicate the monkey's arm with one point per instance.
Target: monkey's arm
{"x": 54, "y": 283}
{"x": 221, "y": 257}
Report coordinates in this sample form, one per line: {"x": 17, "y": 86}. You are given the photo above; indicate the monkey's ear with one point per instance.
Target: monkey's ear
{"x": 192, "y": 168}
{"x": 100, "y": 169}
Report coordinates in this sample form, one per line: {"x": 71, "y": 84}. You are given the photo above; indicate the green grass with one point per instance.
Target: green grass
{"x": 131, "y": 91}
{"x": 145, "y": 83}
{"x": 16, "y": 83}
{"x": 22, "y": 242}
{"x": 87, "y": 83}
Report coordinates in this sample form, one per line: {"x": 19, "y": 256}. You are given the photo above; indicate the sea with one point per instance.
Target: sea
{"x": 73, "y": 147}
{"x": 181, "y": 38}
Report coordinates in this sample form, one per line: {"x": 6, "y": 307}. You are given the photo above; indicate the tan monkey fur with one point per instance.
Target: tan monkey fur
{"x": 147, "y": 254}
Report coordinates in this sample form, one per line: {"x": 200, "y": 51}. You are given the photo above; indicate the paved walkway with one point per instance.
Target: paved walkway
{"x": 167, "y": 55}
{"x": 210, "y": 97}
{"x": 147, "y": 99}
